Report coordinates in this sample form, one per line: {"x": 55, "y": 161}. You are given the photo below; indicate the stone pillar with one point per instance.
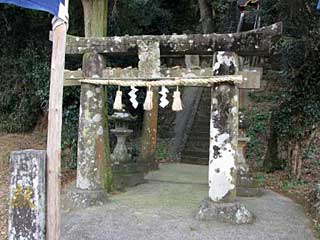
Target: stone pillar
{"x": 222, "y": 204}
{"x": 27, "y": 195}
{"x": 224, "y": 125}
{"x": 223, "y": 143}
{"x": 149, "y": 66}
{"x": 93, "y": 143}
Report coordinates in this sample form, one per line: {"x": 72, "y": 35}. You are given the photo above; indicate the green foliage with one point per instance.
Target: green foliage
{"x": 260, "y": 179}
{"x": 24, "y": 88}
{"x": 258, "y": 122}
{"x": 288, "y": 185}
{"x": 317, "y": 228}
{"x": 162, "y": 150}
{"x": 138, "y": 17}
{"x": 70, "y": 135}
{"x": 141, "y": 17}
{"x": 298, "y": 111}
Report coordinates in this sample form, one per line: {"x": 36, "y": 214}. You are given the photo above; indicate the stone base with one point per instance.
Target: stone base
{"x": 247, "y": 186}
{"x": 128, "y": 180}
{"x": 127, "y": 174}
{"x": 231, "y": 212}
{"x": 76, "y": 198}
{"x": 249, "y": 192}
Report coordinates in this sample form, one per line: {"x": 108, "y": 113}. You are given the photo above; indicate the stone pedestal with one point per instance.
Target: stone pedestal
{"x": 246, "y": 185}
{"x": 76, "y": 198}
{"x": 27, "y": 195}
{"x": 229, "y": 212}
{"x": 127, "y": 174}
{"x": 127, "y": 171}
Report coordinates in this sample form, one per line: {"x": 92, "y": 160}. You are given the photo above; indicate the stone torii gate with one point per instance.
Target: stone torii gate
{"x": 93, "y": 161}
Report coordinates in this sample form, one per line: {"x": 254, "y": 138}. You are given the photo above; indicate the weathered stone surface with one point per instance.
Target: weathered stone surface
{"x": 27, "y": 195}
{"x": 255, "y": 42}
{"x": 123, "y": 179}
{"x": 223, "y": 158}
{"x": 246, "y": 185}
{"x": 92, "y": 141}
{"x": 149, "y": 66}
{"x": 231, "y": 212}
{"x": 76, "y": 198}
{"x": 249, "y": 192}
{"x": 252, "y": 77}
{"x": 127, "y": 171}
{"x": 223, "y": 132}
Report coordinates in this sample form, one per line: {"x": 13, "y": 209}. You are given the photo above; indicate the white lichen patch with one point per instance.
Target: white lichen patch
{"x": 221, "y": 165}
{"x": 214, "y": 101}
{"x": 234, "y": 110}
{"x": 97, "y": 118}
{"x": 100, "y": 130}
{"x": 223, "y": 59}
{"x": 89, "y": 94}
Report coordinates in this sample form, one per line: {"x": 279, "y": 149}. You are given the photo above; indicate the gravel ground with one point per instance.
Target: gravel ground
{"x": 164, "y": 208}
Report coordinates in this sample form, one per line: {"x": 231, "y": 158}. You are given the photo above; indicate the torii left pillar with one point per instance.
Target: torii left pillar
{"x": 94, "y": 176}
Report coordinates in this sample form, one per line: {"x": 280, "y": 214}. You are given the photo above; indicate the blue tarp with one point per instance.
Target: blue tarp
{"x": 318, "y": 7}
{"x": 51, "y": 6}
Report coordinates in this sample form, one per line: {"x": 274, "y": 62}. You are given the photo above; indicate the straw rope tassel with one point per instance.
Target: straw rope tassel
{"x": 177, "y": 103}
{"x": 148, "y": 104}
{"x": 117, "y": 105}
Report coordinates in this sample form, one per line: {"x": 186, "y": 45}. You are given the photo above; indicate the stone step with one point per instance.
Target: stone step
{"x": 201, "y": 138}
{"x": 203, "y": 124}
{"x": 203, "y": 134}
{"x": 202, "y": 121}
{"x": 197, "y": 154}
{"x": 200, "y": 131}
{"x": 249, "y": 192}
{"x": 194, "y": 144}
{"x": 195, "y": 160}
{"x": 196, "y": 150}
{"x": 204, "y": 108}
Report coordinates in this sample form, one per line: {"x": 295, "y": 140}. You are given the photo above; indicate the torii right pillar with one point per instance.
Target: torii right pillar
{"x": 222, "y": 204}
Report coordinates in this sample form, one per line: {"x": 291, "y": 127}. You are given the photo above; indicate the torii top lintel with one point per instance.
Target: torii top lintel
{"x": 256, "y": 42}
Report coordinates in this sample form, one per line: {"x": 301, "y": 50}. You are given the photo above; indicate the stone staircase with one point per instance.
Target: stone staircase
{"x": 196, "y": 149}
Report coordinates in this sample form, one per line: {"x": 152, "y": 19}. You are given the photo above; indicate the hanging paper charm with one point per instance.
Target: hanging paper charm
{"x": 117, "y": 105}
{"x": 148, "y": 104}
{"x": 163, "y": 100}
{"x": 177, "y": 103}
{"x": 133, "y": 97}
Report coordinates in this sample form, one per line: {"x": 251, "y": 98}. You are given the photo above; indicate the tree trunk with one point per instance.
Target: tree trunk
{"x": 95, "y": 17}
{"x": 206, "y": 15}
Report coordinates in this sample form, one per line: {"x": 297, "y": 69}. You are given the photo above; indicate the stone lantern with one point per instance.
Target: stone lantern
{"x": 125, "y": 167}
{"x": 246, "y": 185}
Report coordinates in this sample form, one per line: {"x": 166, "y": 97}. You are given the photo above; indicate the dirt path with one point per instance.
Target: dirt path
{"x": 8, "y": 143}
